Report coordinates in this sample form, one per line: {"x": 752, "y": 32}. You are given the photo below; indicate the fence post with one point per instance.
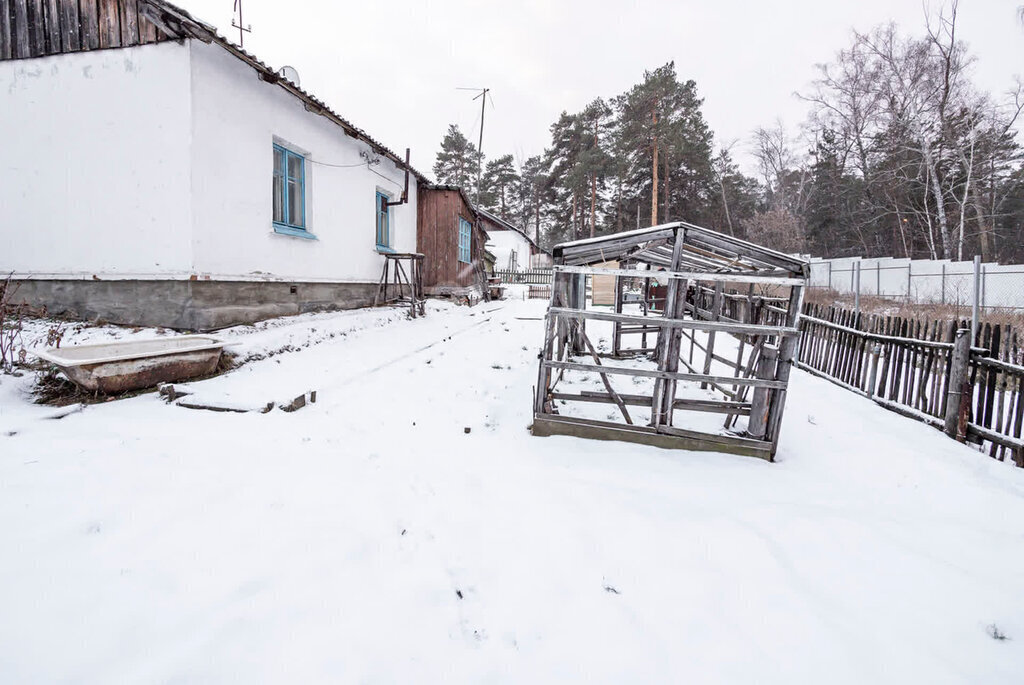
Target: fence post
{"x": 976, "y": 308}
{"x": 875, "y": 350}
{"x": 856, "y": 281}
{"x": 942, "y": 284}
{"x": 758, "y": 423}
{"x": 958, "y": 390}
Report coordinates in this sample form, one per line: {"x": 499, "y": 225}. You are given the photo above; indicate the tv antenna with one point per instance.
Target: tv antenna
{"x": 482, "y": 95}
{"x": 240, "y": 25}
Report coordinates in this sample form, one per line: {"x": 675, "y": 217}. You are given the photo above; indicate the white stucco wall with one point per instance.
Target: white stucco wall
{"x": 94, "y": 163}
{"x": 236, "y": 118}
{"x": 502, "y": 243}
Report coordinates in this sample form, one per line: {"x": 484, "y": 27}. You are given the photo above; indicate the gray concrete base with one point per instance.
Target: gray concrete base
{"x": 190, "y": 305}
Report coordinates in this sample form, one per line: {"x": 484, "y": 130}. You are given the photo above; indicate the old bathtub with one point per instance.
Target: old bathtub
{"x": 132, "y": 365}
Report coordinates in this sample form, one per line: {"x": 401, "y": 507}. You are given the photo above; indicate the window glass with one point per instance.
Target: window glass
{"x": 289, "y": 191}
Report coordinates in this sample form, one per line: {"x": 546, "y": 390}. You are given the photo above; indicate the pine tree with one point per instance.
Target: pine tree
{"x": 533, "y": 195}
{"x": 456, "y": 161}
{"x": 500, "y": 187}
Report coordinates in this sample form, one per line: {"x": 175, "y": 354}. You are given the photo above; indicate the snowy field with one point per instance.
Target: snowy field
{"x": 369, "y": 539}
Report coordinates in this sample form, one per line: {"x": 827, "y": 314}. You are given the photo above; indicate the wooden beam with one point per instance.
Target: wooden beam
{"x": 687, "y": 275}
{"x": 548, "y": 424}
{"x": 683, "y": 404}
{"x": 690, "y": 324}
{"x": 654, "y": 373}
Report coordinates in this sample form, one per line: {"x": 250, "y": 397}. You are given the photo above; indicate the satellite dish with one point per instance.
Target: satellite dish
{"x": 290, "y": 73}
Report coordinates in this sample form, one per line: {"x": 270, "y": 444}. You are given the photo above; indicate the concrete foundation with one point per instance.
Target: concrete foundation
{"x": 189, "y": 305}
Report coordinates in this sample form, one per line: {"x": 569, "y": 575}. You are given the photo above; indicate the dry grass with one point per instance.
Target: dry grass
{"x": 929, "y": 311}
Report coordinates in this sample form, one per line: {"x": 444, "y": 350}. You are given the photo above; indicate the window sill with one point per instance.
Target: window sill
{"x": 281, "y": 229}
{"x": 384, "y": 249}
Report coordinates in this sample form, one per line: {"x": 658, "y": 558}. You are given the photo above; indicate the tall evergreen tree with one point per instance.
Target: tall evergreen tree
{"x": 456, "y": 161}
{"x": 500, "y": 187}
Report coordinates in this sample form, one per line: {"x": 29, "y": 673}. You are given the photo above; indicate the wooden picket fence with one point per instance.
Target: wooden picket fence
{"x": 911, "y": 366}
{"x": 525, "y": 276}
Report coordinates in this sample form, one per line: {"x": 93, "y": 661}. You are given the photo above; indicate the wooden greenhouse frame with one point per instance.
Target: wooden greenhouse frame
{"x": 716, "y": 284}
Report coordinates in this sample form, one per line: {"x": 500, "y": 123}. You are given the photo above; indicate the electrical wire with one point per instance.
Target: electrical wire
{"x": 352, "y": 166}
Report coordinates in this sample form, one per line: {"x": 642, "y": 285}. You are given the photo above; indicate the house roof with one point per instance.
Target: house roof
{"x": 502, "y": 224}
{"x": 702, "y": 249}
{"x": 156, "y": 21}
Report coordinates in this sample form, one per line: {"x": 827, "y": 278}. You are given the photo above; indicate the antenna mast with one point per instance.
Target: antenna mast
{"x": 240, "y": 25}
{"x": 480, "y": 145}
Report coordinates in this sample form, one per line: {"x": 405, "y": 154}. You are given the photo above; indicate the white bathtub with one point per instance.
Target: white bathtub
{"x": 132, "y": 365}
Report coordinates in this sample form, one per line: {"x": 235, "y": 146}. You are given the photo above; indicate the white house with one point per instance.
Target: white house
{"x": 178, "y": 181}
{"x": 512, "y": 248}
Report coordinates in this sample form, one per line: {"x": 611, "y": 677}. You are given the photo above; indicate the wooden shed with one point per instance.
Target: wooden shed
{"x": 451, "y": 238}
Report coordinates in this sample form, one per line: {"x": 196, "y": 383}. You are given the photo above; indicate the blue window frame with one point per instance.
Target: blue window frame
{"x": 465, "y": 241}
{"x": 383, "y": 222}
{"x": 289, "y": 191}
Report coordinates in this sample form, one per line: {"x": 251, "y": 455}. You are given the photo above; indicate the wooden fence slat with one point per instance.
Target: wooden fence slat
{"x": 110, "y": 24}
{"x": 51, "y": 26}
{"x": 129, "y": 22}
{"x": 89, "y": 23}
{"x": 6, "y": 34}
{"x": 19, "y": 29}
{"x": 70, "y": 31}
{"x": 36, "y": 28}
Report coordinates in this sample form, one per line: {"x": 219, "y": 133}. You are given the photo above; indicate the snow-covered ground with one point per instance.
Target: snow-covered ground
{"x": 369, "y": 538}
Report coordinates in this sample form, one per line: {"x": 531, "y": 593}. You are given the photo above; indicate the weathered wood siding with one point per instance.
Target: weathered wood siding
{"x": 34, "y": 28}
{"x": 438, "y": 239}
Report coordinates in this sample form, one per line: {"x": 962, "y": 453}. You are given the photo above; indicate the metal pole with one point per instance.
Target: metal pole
{"x": 856, "y": 296}
{"x": 942, "y": 283}
{"x": 976, "y": 308}
{"x": 910, "y": 273}
{"x": 830, "y": 275}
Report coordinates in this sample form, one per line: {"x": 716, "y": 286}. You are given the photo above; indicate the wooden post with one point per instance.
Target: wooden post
{"x": 669, "y": 342}
{"x": 759, "y": 405}
{"x": 873, "y": 382}
{"x": 716, "y": 312}
{"x": 787, "y": 353}
{"x": 958, "y": 390}
{"x": 578, "y": 300}
{"x": 620, "y": 283}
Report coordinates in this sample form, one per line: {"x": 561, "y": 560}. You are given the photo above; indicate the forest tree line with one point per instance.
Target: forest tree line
{"x": 902, "y": 156}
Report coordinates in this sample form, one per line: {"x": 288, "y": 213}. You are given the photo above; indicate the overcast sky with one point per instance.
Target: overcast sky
{"x": 393, "y": 68}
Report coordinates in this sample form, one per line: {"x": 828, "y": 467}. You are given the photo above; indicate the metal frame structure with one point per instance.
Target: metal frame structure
{"x": 717, "y": 284}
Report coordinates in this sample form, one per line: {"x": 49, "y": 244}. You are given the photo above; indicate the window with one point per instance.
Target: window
{"x": 465, "y": 241}
{"x": 289, "y": 191}
{"x": 383, "y": 222}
